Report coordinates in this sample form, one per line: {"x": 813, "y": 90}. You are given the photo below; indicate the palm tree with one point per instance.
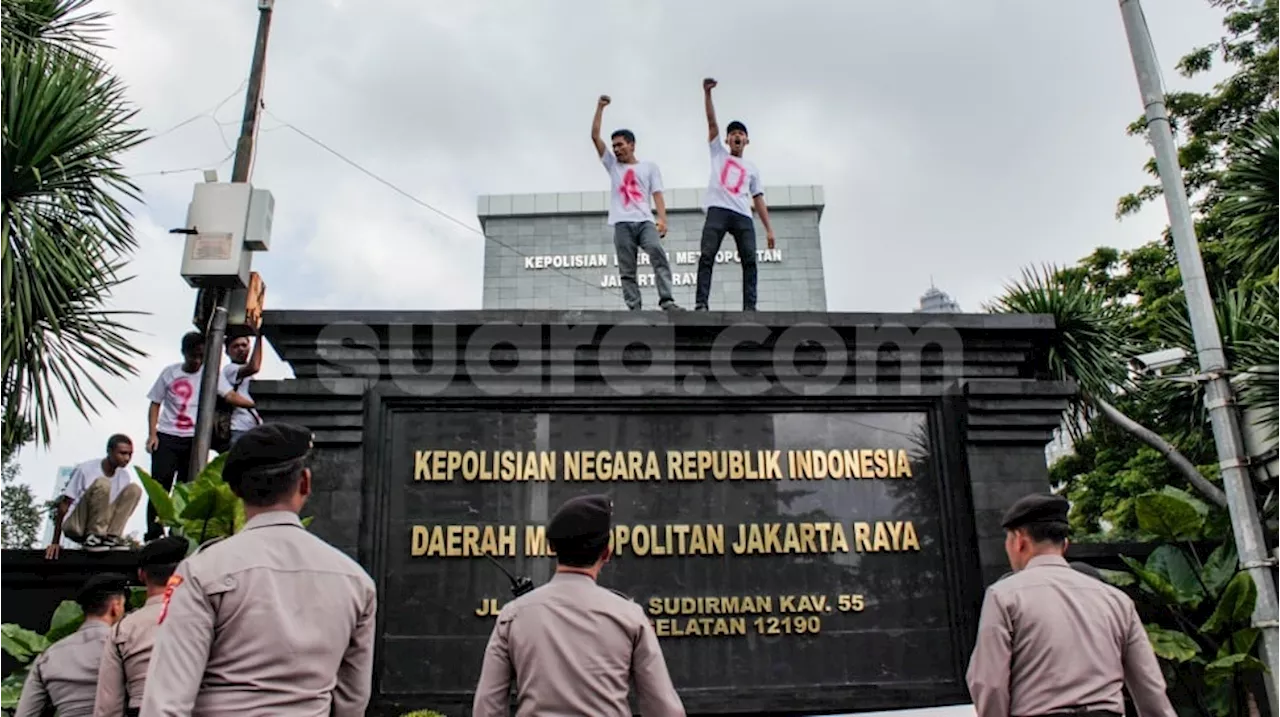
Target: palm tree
{"x": 66, "y": 231}
{"x": 1092, "y": 348}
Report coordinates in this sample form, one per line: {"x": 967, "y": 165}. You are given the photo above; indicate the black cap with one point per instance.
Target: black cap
{"x": 164, "y": 551}
{"x": 1087, "y": 569}
{"x": 735, "y": 125}
{"x": 265, "y": 446}
{"x": 1037, "y": 508}
{"x": 100, "y": 586}
{"x": 582, "y": 517}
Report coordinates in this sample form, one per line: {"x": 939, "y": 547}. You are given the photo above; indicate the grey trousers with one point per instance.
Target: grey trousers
{"x": 97, "y": 514}
{"x": 628, "y": 238}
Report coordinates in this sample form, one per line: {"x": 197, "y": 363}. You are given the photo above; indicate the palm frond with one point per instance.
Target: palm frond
{"x": 1251, "y": 197}
{"x": 57, "y": 23}
{"x": 64, "y": 232}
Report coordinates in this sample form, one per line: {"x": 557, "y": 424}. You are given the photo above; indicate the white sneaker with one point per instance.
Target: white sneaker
{"x": 95, "y": 544}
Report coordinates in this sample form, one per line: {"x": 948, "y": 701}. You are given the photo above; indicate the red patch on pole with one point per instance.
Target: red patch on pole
{"x": 174, "y": 582}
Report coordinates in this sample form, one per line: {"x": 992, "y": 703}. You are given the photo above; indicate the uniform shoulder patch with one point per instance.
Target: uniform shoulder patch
{"x": 174, "y": 581}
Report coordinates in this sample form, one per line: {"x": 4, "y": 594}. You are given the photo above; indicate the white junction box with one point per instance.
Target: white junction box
{"x": 226, "y": 221}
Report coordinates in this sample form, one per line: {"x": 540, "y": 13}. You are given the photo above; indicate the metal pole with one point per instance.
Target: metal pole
{"x": 218, "y": 323}
{"x": 1233, "y": 464}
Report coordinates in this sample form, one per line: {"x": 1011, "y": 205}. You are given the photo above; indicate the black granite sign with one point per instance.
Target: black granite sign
{"x": 782, "y": 552}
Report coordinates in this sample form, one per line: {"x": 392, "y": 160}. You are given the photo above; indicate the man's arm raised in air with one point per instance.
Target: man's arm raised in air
{"x": 713, "y": 127}
{"x": 601, "y": 147}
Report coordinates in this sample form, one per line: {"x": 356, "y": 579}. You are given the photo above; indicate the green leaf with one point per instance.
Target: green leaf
{"x": 306, "y": 522}
{"x": 1170, "y": 563}
{"x": 1225, "y": 668}
{"x": 66, "y": 620}
{"x": 1170, "y": 514}
{"x": 11, "y": 689}
{"x": 1171, "y": 644}
{"x": 1152, "y": 582}
{"x": 241, "y": 518}
{"x": 1241, "y": 641}
{"x": 159, "y": 498}
{"x": 181, "y": 495}
{"x": 212, "y": 472}
{"x": 137, "y": 597}
{"x": 1119, "y": 578}
{"x": 1219, "y": 568}
{"x": 1234, "y": 607}
{"x": 22, "y": 644}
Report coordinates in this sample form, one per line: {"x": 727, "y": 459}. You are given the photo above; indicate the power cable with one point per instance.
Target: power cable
{"x": 392, "y": 186}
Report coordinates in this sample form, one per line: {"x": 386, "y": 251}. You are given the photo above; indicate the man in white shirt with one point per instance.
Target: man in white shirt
{"x": 242, "y": 366}
{"x": 631, "y": 183}
{"x": 171, "y": 420}
{"x": 734, "y": 188}
{"x": 97, "y": 502}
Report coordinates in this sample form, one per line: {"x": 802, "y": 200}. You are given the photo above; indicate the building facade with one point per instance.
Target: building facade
{"x": 555, "y": 251}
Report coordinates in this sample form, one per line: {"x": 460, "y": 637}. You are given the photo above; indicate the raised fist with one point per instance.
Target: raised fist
{"x": 604, "y": 100}
{"x": 708, "y": 84}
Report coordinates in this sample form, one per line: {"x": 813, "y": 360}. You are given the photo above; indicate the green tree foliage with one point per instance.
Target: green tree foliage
{"x": 1228, "y": 150}
{"x": 65, "y": 228}
{"x": 1199, "y": 604}
{"x": 25, "y": 646}
{"x": 20, "y": 516}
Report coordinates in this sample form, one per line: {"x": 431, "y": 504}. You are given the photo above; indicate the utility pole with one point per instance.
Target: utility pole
{"x": 1232, "y": 456}
{"x": 218, "y": 322}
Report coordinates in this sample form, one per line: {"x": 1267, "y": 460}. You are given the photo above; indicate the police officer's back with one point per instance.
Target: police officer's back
{"x": 272, "y": 620}
{"x": 65, "y": 676}
{"x": 1056, "y": 640}
{"x": 126, "y": 653}
{"x": 572, "y": 646}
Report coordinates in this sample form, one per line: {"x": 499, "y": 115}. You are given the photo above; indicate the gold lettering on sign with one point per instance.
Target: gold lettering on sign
{"x": 785, "y": 538}
{"x": 865, "y": 463}
{"x": 885, "y": 536}
{"x": 463, "y": 541}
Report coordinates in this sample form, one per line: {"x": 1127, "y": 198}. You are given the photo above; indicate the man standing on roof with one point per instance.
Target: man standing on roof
{"x": 733, "y": 190}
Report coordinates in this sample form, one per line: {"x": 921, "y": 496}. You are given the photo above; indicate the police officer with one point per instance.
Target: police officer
{"x": 127, "y": 651}
{"x": 272, "y": 620}
{"x": 65, "y": 676}
{"x": 1053, "y": 640}
{"x": 571, "y": 646}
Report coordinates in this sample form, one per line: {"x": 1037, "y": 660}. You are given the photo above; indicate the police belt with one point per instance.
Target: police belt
{"x": 132, "y": 712}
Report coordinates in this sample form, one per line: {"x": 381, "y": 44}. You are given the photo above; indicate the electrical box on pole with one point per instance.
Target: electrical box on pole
{"x": 226, "y": 222}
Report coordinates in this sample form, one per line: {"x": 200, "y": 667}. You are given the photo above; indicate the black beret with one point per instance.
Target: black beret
{"x": 265, "y": 446}
{"x": 581, "y": 517}
{"x": 100, "y": 586}
{"x": 1087, "y": 569}
{"x": 163, "y": 551}
{"x": 1037, "y": 508}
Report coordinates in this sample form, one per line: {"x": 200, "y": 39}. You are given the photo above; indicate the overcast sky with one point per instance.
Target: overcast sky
{"x": 958, "y": 141}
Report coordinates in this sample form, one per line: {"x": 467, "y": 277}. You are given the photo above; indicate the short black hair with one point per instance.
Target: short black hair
{"x": 191, "y": 341}
{"x": 159, "y": 574}
{"x": 736, "y": 125}
{"x": 116, "y": 440}
{"x": 267, "y": 485}
{"x": 580, "y": 552}
{"x": 238, "y": 331}
{"x": 1047, "y": 532}
{"x": 96, "y": 594}
{"x": 626, "y": 134}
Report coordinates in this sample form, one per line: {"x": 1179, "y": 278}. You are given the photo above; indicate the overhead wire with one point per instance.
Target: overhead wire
{"x": 284, "y": 124}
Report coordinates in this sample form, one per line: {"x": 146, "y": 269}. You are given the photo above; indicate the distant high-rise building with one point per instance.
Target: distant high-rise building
{"x": 936, "y": 301}
{"x": 64, "y": 477}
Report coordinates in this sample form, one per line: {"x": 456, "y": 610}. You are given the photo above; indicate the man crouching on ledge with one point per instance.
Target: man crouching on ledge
{"x": 536, "y": 634}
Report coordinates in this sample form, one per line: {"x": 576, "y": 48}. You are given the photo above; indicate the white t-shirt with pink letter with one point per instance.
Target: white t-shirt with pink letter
{"x": 734, "y": 181}
{"x": 178, "y": 394}
{"x": 631, "y": 185}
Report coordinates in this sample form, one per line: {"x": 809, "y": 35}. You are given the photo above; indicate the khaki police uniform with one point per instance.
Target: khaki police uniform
{"x": 1053, "y": 640}
{"x": 122, "y": 676}
{"x": 64, "y": 678}
{"x": 572, "y": 647}
{"x": 270, "y": 621}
